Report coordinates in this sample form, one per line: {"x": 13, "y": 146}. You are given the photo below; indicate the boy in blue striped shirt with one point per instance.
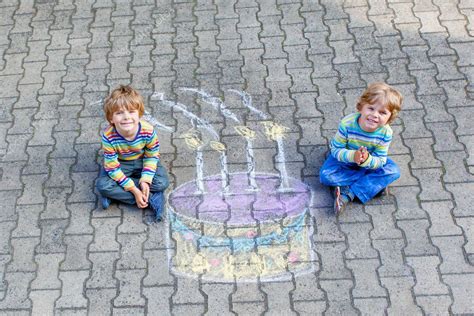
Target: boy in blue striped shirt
{"x": 358, "y": 165}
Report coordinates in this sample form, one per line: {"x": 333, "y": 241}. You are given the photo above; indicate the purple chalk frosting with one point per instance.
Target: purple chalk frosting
{"x": 240, "y": 206}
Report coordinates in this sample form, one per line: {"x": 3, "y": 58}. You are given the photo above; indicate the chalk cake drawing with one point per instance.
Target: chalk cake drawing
{"x": 240, "y": 226}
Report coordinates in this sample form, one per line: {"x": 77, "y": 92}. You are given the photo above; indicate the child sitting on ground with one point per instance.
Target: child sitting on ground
{"x": 358, "y": 165}
{"x": 132, "y": 172}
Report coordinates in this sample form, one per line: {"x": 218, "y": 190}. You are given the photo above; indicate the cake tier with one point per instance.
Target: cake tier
{"x": 240, "y": 205}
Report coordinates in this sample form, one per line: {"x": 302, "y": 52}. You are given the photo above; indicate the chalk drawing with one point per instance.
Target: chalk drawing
{"x": 249, "y": 135}
{"x": 148, "y": 117}
{"x": 220, "y": 147}
{"x": 276, "y": 132}
{"x": 215, "y": 102}
{"x": 201, "y": 123}
{"x": 247, "y": 101}
{"x": 243, "y": 236}
{"x": 195, "y": 143}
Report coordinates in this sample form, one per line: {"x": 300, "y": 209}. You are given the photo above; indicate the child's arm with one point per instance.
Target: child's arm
{"x": 338, "y": 146}
{"x": 150, "y": 158}
{"x": 145, "y": 189}
{"x": 112, "y": 166}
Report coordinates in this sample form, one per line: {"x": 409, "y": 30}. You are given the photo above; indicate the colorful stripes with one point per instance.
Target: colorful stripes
{"x": 350, "y": 137}
{"x": 145, "y": 146}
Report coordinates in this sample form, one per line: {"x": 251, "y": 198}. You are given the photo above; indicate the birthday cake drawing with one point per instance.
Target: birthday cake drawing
{"x": 243, "y": 234}
{"x": 239, "y": 226}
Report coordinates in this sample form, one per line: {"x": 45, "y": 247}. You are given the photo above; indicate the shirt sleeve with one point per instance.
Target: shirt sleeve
{"x": 112, "y": 166}
{"x": 378, "y": 156}
{"x": 338, "y": 146}
{"x": 150, "y": 158}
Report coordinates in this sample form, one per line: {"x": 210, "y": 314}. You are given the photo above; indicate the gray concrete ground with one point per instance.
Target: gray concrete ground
{"x": 303, "y": 63}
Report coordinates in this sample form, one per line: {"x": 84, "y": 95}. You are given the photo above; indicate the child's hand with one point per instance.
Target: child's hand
{"x": 361, "y": 155}
{"x": 145, "y": 189}
{"x": 139, "y": 198}
{"x": 365, "y": 154}
{"x": 358, "y": 156}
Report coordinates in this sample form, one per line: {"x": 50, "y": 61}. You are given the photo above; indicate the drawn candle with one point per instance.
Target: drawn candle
{"x": 216, "y": 145}
{"x": 220, "y": 148}
{"x": 276, "y": 132}
{"x": 249, "y": 135}
{"x": 194, "y": 143}
{"x": 148, "y": 117}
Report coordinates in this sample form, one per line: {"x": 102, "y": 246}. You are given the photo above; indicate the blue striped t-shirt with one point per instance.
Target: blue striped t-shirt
{"x": 350, "y": 136}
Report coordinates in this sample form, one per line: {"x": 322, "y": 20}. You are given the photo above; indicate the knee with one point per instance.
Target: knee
{"x": 325, "y": 176}
{"x": 164, "y": 184}
{"x": 160, "y": 183}
{"x": 393, "y": 170}
{"x": 396, "y": 173}
{"x": 104, "y": 184}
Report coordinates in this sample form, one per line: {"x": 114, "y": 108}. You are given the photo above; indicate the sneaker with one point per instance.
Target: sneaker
{"x": 346, "y": 192}
{"x": 105, "y": 201}
{"x": 340, "y": 201}
{"x": 150, "y": 220}
{"x": 384, "y": 192}
{"x": 156, "y": 203}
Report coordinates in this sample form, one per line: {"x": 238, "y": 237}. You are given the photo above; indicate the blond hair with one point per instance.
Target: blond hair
{"x": 387, "y": 95}
{"x": 123, "y": 97}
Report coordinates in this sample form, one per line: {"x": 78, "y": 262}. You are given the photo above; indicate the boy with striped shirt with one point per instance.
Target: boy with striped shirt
{"x": 132, "y": 172}
{"x": 358, "y": 165}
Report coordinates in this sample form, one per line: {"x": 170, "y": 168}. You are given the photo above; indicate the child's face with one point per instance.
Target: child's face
{"x": 373, "y": 116}
{"x": 126, "y": 121}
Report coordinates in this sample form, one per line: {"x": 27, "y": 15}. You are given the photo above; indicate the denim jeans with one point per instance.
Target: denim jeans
{"x": 364, "y": 183}
{"x": 107, "y": 187}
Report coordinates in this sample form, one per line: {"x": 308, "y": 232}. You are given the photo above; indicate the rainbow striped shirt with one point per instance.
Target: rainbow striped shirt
{"x": 350, "y": 137}
{"x": 145, "y": 146}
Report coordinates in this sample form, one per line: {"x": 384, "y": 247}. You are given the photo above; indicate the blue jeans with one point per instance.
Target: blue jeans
{"x": 107, "y": 187}
{"x": 364, "y": 183}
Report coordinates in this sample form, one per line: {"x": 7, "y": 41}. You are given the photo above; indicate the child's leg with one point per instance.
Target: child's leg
{"x": 107, "y": 187}
{"x": 157, "y": 188}
{"x": 375, "y": 181}
{"x": 335, "y": 173}
{"x": 160, "y": 180}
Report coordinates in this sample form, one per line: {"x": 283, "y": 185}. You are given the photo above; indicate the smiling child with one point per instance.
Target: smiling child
{"x": 358, "y": 165}
{"x": 132, "y": 172}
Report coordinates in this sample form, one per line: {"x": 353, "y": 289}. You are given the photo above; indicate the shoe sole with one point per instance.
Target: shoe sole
{"x": 105, "y": 205}
{"x": 383, "y": 193}
{"x": 338, "y": 205}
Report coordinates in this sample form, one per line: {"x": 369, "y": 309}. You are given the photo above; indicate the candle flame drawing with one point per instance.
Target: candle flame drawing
{"x": 274, "y": 130}
{"x": 217, "y": 146}
{"x": 245, "y": 132}
{"x": 192, "y": 140}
